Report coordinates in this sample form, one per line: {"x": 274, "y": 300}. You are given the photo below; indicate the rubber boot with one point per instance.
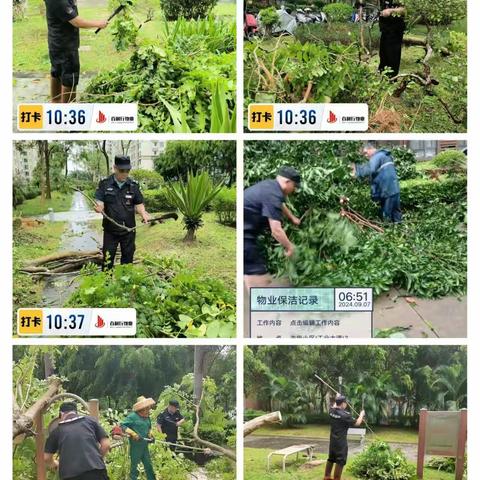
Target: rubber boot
{"x": 338, "y": 472}
{"x": 328, "y": 471}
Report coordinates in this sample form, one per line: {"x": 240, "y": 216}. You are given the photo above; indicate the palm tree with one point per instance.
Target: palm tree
{"x": 191, "y": 198}
{"x": 450, "y": 382}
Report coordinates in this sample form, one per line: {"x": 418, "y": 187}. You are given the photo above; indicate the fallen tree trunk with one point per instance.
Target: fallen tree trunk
{"x": 259, "y": 422}
{"x": 61, "y": 256}
{"x": 62, "y": 262}
{"x": 23, "y": 421}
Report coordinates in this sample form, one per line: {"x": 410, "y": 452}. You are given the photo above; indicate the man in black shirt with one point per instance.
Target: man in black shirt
{"x": 392, "y": 28}
{"x": 340, "y": 421}
{"x": 119, "y": 197}
{"x": 81, "y": 444}
{"x": 169, "y": 421}
{"x": 63, "y": 24}
{"x": 264, "y": 209}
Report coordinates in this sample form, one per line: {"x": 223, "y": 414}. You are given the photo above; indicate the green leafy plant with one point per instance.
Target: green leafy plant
{"x": 225, "y": 206}
{"x": 170, "y": 300}
{"x": 269, "y": 18}
{"x": 191, "y": 9}
{"x": 192, "y": 198}
{"x": 338, "y": 12}
{"x": 405, "y": 163}
{"x": 454, "y": 161}
{"x": 380, "y": 462}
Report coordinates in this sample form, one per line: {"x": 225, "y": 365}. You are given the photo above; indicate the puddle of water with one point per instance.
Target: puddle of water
{"x": 79, "y": 235}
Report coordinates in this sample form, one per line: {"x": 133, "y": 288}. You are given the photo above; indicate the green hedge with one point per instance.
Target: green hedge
{"x": 156, "y": 201}
{"x": 338, "y": 12}
{"x": 224, "y": 205}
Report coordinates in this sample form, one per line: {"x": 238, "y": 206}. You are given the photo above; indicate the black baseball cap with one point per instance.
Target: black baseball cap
{"x": 68, "y": 407}
{"x": 123, "y": 162}
{"x": 174, "y": 403}
{"x": 341, "y": 399}
{"x": 290, "y": 173}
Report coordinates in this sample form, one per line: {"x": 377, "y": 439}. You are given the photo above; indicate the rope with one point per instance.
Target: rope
{"x": 348, "y": 403}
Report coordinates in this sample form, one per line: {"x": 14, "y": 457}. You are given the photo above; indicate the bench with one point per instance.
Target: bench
{"x": 357, "y": 434}
{"x": 294, "y": 449}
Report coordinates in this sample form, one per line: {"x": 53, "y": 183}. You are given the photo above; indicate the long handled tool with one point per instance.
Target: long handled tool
{"x": 120, "y": 8}
{"x": 349, "y": 404}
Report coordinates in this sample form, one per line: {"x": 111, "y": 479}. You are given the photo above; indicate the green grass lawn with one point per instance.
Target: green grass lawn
{"x": 255, "y": 468}
{"x": 387, "y": 434}
{"x": 98, "y": 52}
{"x": 60, "y": 202}
{"x": 213, "y": 254}
{"x": 30, "y": 243}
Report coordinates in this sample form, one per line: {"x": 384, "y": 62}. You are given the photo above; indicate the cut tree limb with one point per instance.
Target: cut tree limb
{"x": 23, "y": 421}
{"x": 259, "y": 422}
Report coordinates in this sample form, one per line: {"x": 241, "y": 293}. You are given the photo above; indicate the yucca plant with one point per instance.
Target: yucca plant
{"x": 192, "y": 198}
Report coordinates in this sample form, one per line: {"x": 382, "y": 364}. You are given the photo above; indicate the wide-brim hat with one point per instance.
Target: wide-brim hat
{"x": 142, "y": 403}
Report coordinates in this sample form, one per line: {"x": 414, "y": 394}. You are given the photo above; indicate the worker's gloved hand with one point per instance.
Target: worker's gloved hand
{"x": 132, "y": 434}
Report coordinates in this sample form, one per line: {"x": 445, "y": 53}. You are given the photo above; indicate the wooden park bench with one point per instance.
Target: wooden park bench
{"x": 357, "y": 434}
{"x": 294, "y": 449}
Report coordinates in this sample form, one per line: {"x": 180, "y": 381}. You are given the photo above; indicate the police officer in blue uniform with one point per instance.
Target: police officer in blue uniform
{"x": 392, "y": 28}
{"x": 63, "y": 23}
{"x": 384, "y": 184}
{"x": 169, "y": 421}
{"x": 119, "y": 197}
{"x": 340, "y": 421}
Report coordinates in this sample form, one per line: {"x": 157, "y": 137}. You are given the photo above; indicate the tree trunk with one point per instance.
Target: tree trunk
{"x": 259, "y": 422}
{"x": 102, "y": 148}
{"x": 190, "y": 236}
{"x": 48, "y": 188}
{"x": 199, "y": 373}
{"x": 41, "y": 162}
{"x": 23, "y": 421}
{"x": 49, "y": 365}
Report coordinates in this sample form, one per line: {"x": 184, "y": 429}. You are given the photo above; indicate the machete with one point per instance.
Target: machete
{"x": 116, "y": 12}
{"x": 162, "y": 218}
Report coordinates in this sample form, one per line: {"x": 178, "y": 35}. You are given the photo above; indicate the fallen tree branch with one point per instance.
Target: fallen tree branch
{"x": 262, "y": 420}
{"x": 23, "y": 421}
{"x": 213, "y": 446}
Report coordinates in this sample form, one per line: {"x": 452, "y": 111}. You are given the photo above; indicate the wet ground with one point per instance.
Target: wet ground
{"x": 79, "y": 235}
{"x": 321, "y": 444}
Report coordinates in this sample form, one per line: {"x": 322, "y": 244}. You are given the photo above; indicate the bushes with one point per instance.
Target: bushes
{"x": 157, "y": 201}
{"x": 147, "y": 179}
{"x": 451, "y": 160}
{"x": 225, "y": 206}
{"x": 191, "y": 9}
{"x": 405, "y": 163}
{"x": 170, "y": 300}
{"x": 269, "y": 19}
{"x": 338, "y": 12}
{"x": 380, "y": 462}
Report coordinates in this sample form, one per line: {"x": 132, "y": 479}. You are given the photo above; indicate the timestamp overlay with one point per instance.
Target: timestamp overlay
{"x": 76, "y": 322}
{"x": 279, "y": 312}
{"x": 308, "y": 117}
{"x": 77, "y": 117}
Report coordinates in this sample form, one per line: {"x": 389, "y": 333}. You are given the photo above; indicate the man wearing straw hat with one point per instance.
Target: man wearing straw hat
{"x": 138, "y": 426}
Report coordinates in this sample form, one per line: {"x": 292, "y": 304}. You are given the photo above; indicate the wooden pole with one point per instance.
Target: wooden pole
{"x": 422, "y": 430}
{"x": 462, "y": 442}
{"x": 39, "y": 447}
{"x": 93, "y": 408}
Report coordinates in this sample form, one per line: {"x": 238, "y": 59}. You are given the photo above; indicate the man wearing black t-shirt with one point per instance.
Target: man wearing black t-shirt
{"x": 81, "y": 444}
{"x": 63, "y": 24}
{"x": 340, "y": 422}
{"x": 392, "y": 28}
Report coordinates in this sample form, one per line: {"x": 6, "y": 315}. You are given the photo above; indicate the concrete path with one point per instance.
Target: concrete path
{"x": 441, "y": 318}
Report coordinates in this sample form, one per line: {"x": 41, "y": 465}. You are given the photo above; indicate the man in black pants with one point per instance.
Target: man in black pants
{"x": 392, "y": 28}
{"x": 169, "y": 421}
{"x": 81, "y": 444}
{"x": 63, "y": 24}
{"x": 340, "y": 421}
{"x": 119, "y": 197}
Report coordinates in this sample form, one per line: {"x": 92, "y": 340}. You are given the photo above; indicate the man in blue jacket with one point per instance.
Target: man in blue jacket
{"x": 383, "y": 181}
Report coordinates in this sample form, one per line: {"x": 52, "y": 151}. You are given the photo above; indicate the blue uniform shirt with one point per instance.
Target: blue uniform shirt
{"x": 382, "y": 173}
{"x": 261, "y": 202}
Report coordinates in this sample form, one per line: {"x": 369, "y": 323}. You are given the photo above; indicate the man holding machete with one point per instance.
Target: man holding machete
{"x": 340, "y": 421}
{"x": 64, "y": 24}
{"x": 119, "y": 197}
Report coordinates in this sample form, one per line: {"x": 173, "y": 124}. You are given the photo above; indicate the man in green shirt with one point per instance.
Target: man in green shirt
{"x": 138, "y": 427}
